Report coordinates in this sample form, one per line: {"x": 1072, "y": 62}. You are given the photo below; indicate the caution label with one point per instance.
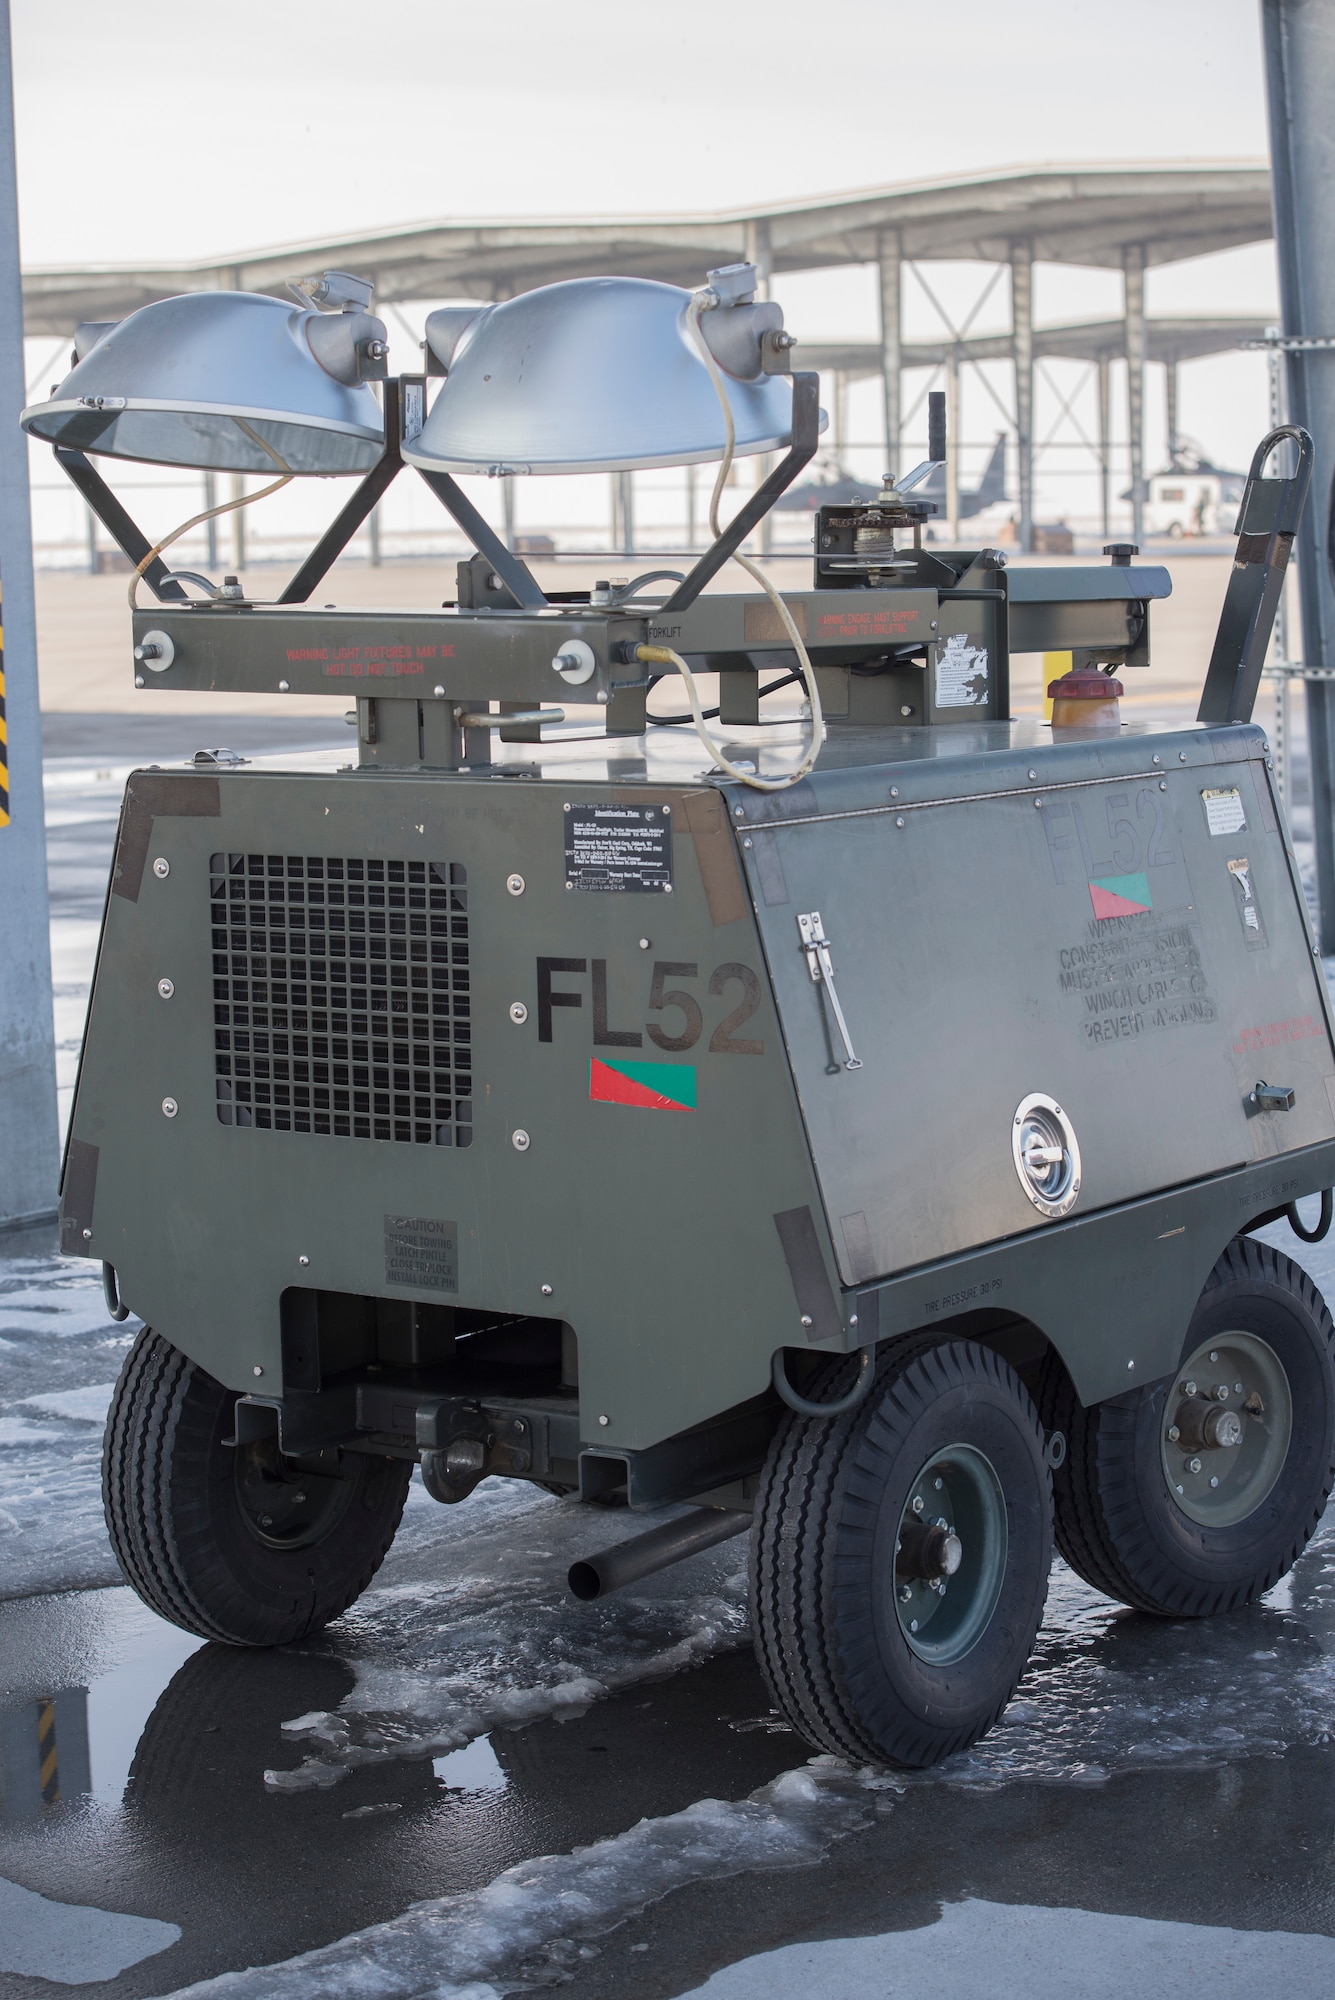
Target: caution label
{"x": 421, "y": 1253}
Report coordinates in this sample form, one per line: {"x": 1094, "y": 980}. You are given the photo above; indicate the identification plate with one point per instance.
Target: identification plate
{"x": 421, "y": 1253}
{"x": 619, "y": 848}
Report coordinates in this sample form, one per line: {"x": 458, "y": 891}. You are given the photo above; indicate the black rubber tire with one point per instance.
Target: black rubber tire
{"x": 831, "y": 1496}
{"x": 1116, "y": 1522}
{"x": 176, "y": 1523}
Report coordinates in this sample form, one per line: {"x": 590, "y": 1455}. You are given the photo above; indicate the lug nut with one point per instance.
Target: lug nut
{"x": 1193, "y": 1465}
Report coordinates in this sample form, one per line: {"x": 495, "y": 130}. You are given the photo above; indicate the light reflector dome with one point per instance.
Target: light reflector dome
{"x": 225, "y": 381}
{"x": 590, "y": 375}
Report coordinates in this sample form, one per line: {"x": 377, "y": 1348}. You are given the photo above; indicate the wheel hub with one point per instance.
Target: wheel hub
{"x": 1227, "y": 1422}
{"x": 288, "y": 1503}
{"x": 950, "y": 1555}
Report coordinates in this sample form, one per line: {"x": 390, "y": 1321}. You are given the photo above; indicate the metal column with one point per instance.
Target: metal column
{"x": 952, "y": 446}
{"x": 889, "y": 257}
{"x": 1299, "y": 41}
{"x": 1022, "y": 350}
{"x": 758, "y": 253}
{"x": 1105, "y": 446}
{"x": 1133, "y": 287}
{"x": 29, "y": 1147}
{"x": 1170, "y": 407}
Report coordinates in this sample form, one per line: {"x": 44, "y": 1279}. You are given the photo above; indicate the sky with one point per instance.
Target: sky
{"x": 151, "y": 129}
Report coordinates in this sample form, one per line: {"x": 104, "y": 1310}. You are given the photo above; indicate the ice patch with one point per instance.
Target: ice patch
{"x": 532, "y": 1918}
{"x": 1033, "y": 1954}
{"x": 85, "y": 1406}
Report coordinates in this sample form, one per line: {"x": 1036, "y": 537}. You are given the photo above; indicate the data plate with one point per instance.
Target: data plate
{"x": 619, "y": 847}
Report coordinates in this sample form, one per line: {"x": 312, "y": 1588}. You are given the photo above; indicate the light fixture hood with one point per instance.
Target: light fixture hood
{"x": 225, "y": 381}
{"x": 590, "y": 375}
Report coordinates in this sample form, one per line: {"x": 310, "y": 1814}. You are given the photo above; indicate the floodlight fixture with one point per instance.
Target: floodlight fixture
{"x": 227, "y": 382}
{"x": 604, "y": 375}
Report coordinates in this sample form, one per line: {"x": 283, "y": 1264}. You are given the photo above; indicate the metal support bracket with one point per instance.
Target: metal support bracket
{"x": 821, "y": 967}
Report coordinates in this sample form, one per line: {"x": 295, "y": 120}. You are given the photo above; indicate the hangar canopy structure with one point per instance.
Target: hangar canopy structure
{"x": 1125, "y": 218}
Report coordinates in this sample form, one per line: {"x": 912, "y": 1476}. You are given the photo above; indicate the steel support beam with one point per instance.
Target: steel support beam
{"x": 1022, "y": 353}
{"x": 1133, "y": 294}
{"x": 952, "y": 447}
{"x": 1170, "y": 408}
{"x": 1105, "y": 445}
{"x": 29, "y": 1143}
{"x": 890, "y": 264}
{"x": 1299, "y": 42}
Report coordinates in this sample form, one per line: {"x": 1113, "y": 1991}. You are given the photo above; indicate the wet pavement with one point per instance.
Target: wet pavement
{"x": 473, "y": 1785}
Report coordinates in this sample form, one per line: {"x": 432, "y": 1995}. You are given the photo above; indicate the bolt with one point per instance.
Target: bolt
{"x": 139, "y": 681}
{"x": 913, "y": 1624}
{"x": 938, "y": 1484}
{"x": 257, "y": 1370}
{"x": 298, "y": 1499}
{"x": 1237, "y": 1388}
{"x": 546, "y": 1291}
{"x": 806, "y": 1319}
{"x": 1214, "y": 1480}
{"x": 1177, "y": 1489}
{"x": 645, "y": 944}
{"x": 748, "y": 841}
{"x": 1193, "y": 1465}
{"x": 1221, "y": 1393}
{"x": 266, "y": 1520}
{"x": 1181, "y": 756}
{"x": 1214, "y": 1355}
{"x": 604, "y": 1421}
{"x": 852, "y": 1319}
{"x": 1033, "y": 774}
{"x": 518, "y": 1013}
{"x": 515, "y": 884}
{"x": 906, "y": 708}
{"x": 739, "y": 812}
{"x": 1039, "y": 804}
{"x": 1156, "y": 759}
{"x": 917, "y": 1503}
{"x": 438, "y": 690}
{"x": 169, "y": 1107}
{"x": 87, "y": 1235}
{"x": 1188, "y": 1388}
{"x": 162, "y": 869}
{"x": 905, "y": 1593}
{"x": 894, "y": 791}
{"x": 520, "y": 1140}
{"x": 1174, "y": 1433}
{"x": 899, "y": 822}
{"x": 284, "y": 687}
{"x": 303, "y": 1260}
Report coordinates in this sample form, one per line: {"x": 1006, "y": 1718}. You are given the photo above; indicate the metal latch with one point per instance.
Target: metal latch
{"x": 817, "y": 948}
{"x": 1271, "y": 1097}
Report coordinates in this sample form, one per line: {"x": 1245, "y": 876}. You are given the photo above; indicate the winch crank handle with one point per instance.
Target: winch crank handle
{"x": 803, "y": 1404}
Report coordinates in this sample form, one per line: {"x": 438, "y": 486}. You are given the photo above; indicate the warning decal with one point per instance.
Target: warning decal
{"x": 1249, "y": 912}
{"x": 961, "y": 673}
{"x": 1120, "y": 896}
{"x": 652, "y": 1086}
{"x": 421, "y": 1253}
{"x": 1223, "y": 810}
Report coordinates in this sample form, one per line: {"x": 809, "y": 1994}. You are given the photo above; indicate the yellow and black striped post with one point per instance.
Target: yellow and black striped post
{"x": 48, "y": 1775}
{"x": 4, "y": 735}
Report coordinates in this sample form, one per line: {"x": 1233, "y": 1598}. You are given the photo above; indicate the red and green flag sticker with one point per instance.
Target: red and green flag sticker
{"x": 1120, "y": 896}
{"x": 653, "y": 1086}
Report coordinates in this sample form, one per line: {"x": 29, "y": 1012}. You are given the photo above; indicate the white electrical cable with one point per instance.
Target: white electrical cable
{"x": 212, "y": 513}
{"x": 665, "y": 656}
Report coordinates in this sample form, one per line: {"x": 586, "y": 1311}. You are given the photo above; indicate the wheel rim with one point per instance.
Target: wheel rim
{"x": 950, "y": 1555}
{"x": 1227, "y": 1422}
{"x": 284, "y": 1505}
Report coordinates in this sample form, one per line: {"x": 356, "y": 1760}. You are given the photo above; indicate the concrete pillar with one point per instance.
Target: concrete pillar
{"x": 29, "y": 1147}
{"x": 1022, "y": 350}
{"x": 1105, "y": 446}
{"x": 623, "y": 511}
{"x": 952, "y": 447}
{"x": 1170, "y": 407}
{"x": 889, "y": 258}
{"x": 1298, "y": 37}
{"x": 1133, "y": 289}
{"x": 373, "y": 538}
{"x": 93, "y": 564}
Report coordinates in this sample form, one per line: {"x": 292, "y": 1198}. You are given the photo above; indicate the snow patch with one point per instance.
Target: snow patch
{"x": 534, "y": 1920}
{"x": 85, "y": 1406}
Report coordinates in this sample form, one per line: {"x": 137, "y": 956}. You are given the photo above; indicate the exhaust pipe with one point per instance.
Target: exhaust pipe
{"x": 627, "y": 1562}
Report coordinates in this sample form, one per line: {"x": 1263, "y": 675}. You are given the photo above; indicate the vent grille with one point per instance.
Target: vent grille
{"x": 341, "y": 997}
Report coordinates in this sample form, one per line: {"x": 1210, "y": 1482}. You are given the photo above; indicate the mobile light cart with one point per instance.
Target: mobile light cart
{"x": 854, "y": 1127}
